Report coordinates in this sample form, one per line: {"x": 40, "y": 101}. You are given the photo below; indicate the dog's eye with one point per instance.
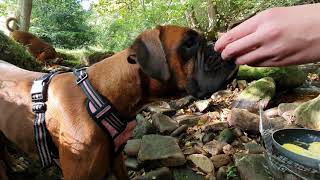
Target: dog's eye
{"x": 190, "y": 42}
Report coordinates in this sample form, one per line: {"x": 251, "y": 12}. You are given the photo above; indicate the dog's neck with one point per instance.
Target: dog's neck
{"x": 125, "y": 85}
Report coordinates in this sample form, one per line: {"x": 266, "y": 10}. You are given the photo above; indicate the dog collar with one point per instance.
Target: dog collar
{"x": 103, "y": 112}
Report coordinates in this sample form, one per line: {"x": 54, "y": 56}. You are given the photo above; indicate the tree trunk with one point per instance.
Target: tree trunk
{"x": 212, "y": 16}
{"x": 24, "y": 14}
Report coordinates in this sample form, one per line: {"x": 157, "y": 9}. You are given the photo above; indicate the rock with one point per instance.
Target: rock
{"x": 228, "y": 149}
{"x": 260, "y": 91}
{"x": 163, "y": 149}
{"x": 289, "y": 116}
{"x": 309, "y": 68}
{"x": 143, "y": 127}
{"x": 158, "y": 174}
{"x": 236, "y": 143}
{"x": 233, "y": 84}
{"x": 250, "y": 166}
{"x": 308, "y": 114}
{"x": 132, "y": 147}
{"x": 214, "y": 147}
{"x": 210, "y": 176}
{"x": 202, "y": 162}
{"x": 222, "y": 173}
{"x": 160, "y": 107}
{"x": 284, "y": 107}
{"x": 208, "y": 137}
{"x": 164, "y": 123}
{"x": 184, "y": 173}
{"x": 242, "y": 84}
{"x": 284, "y": 77}
{"x": 253, "y": 148}
{"x": 132, "y": 164}
{"x": 244, "y": 120}
{"x": 220, "y": 160}
{"x": 227, "y": 136}
{"x": 279, "y": 122}
{"x": 189, "y": 150}
{"x": 237, "y": 132}
{"x": 181, "y": 103}
{"x": 216, "y": 126}
{"x": 199, "y": 150}
{"x": 190, "y": 120}
{"x": 270, "y": 113}
{"x": 179, "y": 130}
{"x": 244, "y": 139}
{"x": 220, "y": 94}
{"x": 202, "y": 104}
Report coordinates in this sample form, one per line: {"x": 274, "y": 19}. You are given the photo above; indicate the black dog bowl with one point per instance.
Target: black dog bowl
{"x": 300, "y": 137}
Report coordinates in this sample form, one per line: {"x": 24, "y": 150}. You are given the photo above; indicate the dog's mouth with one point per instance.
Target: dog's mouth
{"x": 211, "y": 73}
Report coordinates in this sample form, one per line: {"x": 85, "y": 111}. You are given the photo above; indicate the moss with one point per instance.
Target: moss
{"x": 16, "y": 54}
{"x": 285, "y": 77}
{"x": 261, "y": 89}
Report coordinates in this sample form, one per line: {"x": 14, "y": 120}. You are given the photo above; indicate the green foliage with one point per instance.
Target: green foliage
{"x": 118, "y": 23}
{"x": 232, "y": 172}
{"x": 113, "y": 24}
{"x": 7, "y": 6}
{"x": 61, "y": 22}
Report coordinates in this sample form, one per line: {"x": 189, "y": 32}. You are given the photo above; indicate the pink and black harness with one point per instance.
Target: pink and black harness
{"x": 99, "y": 107}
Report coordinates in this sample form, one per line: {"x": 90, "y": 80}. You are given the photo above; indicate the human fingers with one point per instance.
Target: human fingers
{"x": 243, "y": 29}
{"x": 255, "y": 57}
{"x": 242, "y": 46}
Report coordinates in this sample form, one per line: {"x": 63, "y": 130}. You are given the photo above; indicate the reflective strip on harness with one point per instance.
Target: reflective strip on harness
{"x": 46, "y": 148}
{"x": 102, "y": 111}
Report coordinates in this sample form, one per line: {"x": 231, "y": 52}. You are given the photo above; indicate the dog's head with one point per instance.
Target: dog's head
{"x": 50, "y": 56}
{"x": 183, "y": 58}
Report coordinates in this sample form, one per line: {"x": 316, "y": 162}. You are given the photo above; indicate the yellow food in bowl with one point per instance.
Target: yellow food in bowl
{"x": 312, "y": 152}
{"x": 315, "y": 148}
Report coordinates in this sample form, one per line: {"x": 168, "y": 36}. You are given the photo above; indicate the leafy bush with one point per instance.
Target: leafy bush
{"x": 62, "y": 23}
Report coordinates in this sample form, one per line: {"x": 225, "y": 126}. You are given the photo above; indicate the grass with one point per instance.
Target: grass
{"x": 77, "y": 57}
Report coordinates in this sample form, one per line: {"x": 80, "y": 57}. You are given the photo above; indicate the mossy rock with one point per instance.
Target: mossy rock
{"x": 308, "y": 114}
{"x": 261, "y": 91}
{"x": 284, "y": 77}
{"x": 16, "y": 54}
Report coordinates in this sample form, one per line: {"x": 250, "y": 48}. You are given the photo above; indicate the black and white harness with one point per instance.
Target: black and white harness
{"x": 98, "y": 106}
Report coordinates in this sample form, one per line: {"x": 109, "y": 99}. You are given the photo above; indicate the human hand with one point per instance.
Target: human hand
{"x": 275, "y": 37}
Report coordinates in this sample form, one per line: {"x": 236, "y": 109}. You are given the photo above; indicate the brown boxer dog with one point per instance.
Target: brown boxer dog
{"x": 160, "y": 62}
{"x": 38, "y": 48}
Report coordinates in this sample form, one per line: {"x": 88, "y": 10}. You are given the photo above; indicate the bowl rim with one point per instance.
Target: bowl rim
{"x": 304, "y": 160}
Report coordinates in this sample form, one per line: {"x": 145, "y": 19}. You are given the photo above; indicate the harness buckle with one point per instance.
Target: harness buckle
{"x": 39, "y": 107}
{"x": 38, "y": 91}
{"x": 82, "y": 77}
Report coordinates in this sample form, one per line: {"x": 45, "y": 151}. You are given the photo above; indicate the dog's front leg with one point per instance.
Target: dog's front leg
{"x": 119, "y": 168}
{"x": 84, "y": 162}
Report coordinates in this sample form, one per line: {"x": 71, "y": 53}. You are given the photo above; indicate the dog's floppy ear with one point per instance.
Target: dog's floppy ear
{"x": 148, "y": 52}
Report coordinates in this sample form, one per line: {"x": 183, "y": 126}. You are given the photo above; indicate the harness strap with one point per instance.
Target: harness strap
{"x": 45, "y": 146}
{"x": 102, "y": 110}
